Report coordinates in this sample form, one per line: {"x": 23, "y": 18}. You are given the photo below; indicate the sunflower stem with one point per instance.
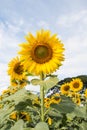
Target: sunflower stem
{"x": 86, "y": 105}
{"x": 42, "y": 97}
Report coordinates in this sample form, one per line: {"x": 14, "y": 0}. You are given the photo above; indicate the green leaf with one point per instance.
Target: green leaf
{"x": 65, "y": 106}
{"x": 42, "y": 126}
{"x": 20, "y": 95}
{"x": 28, "y": 129}
{"x": 52, "y": 81}
{"x": 54, "y": 113}
{"x": 21, "y": 100}
{"x": 18, "y": 125}
{"x": 4, "y": 113}
{"x": 83, "y": 126}
{"x": 22, "y": 105}
{"x": 35, "y": 81}
{"x": 49, "y": 83}
{"x": 80, "y": 111}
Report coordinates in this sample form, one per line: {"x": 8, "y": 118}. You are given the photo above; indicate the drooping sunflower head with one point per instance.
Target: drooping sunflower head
{"x": 25, "y": 116}
{"x": 42, "y": 53}
{"x": 65, "y": 88}
{"x": 74, "y": 94}
{"x": 77, "y": 101}
{"x": 18, "y": 83}
{"x": 16, "y": 69}
{"x": 55, "y": 98}
{"x": 76, "y": 85}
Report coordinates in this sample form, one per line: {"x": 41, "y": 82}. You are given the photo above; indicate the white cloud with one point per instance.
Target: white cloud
{"x": 4, "y": 78}
{"x": 8, "y": 47}
{"x": 68, "y": 20}
{"x": 75, "y": 43}
{"x": 43, "y": 24}
{"x": 75, "y": 57}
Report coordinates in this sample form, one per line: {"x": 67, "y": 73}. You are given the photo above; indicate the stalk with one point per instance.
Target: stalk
{"x": 42, "y": 97}
{"x": 86, "y": 106}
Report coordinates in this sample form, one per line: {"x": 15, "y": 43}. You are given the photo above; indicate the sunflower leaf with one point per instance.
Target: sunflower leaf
{"x": 80, "y": 111}
{"x": 65, "y": 106}
{"x": 35, "y": 81}
{"x": 18, "y": 125}
{"x": 52, "y": 81}
{"x": 42, "y": 126}
{"x": 28, "y": 129}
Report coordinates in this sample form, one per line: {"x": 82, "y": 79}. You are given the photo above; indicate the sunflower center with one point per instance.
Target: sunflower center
{"x": 76, "y": 85}
{"x": 18, "y": 69}
{"x": 66, "y": 88}
{"x": 41, "y": 53}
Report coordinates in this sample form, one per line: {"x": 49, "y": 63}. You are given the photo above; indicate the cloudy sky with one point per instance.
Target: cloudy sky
{"x": 67, "y": 18}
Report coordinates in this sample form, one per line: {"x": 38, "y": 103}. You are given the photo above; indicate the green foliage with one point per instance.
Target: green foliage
{"x": 65, "y": 106}
{"x": 20, "y": 101}
{"x": 41, "y": 126}
{"x": 48, "y": 83}
{"x": 52, "y": 81}
{"x": 64, "y": 115}
{"x": 18, "y": 125}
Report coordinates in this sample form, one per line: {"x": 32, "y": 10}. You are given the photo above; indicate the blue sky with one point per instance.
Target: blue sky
{"x": 67, "y": 18}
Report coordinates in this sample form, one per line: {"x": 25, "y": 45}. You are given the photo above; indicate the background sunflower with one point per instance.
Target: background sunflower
{"x": 76, "y": 85}
{"x": 65, "y": 88}
{"x": 15, "y": 69}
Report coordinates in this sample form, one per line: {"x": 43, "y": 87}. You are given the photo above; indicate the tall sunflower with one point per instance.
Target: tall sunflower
{"x": 65, "y": 88}
{"x": 76, "y": 85}
{"x": 42, "y": 53}
{"x": 16, "y": 69}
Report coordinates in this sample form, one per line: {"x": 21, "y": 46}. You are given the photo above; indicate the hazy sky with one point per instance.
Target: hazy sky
{"x": 67, "y": 18}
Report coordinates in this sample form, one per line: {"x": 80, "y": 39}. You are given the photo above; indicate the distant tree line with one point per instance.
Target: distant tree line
{"x": 55, "y": 88}
{"x": 82, "y": 77}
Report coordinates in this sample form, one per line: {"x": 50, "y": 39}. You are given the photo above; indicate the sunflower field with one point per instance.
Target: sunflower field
{"x": 20, "y": 109}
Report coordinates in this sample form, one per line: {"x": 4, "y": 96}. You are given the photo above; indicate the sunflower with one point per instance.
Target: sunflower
{"x": 55, "y": 101}
{"x": 85, "y": 94}
{"x": 42, "y": 53}
{"x": 7, "y": 91}
{"x": 55, "y": 98}
{"x": 1, "y": 98}
{"x": 1, "y": 106}
{"x": 47, "y": 105}
{"x": 65, "y": 88}
{"x": 55, "y": 95}
{"x": 16, "y": 70}
{"x": 74, "y": 95}
{"x": 76, "y": 85}
{"x": 49, "y": 121}
{"x": 25, "y": 116}
{"x": 13, "y": 115}
{"x": 77, "y": 101}
{"x": 21, "y": 83}
{"x": 14, "y": 90}
{"x": 36, "y": 101}
{"x": 46, "y": 100}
